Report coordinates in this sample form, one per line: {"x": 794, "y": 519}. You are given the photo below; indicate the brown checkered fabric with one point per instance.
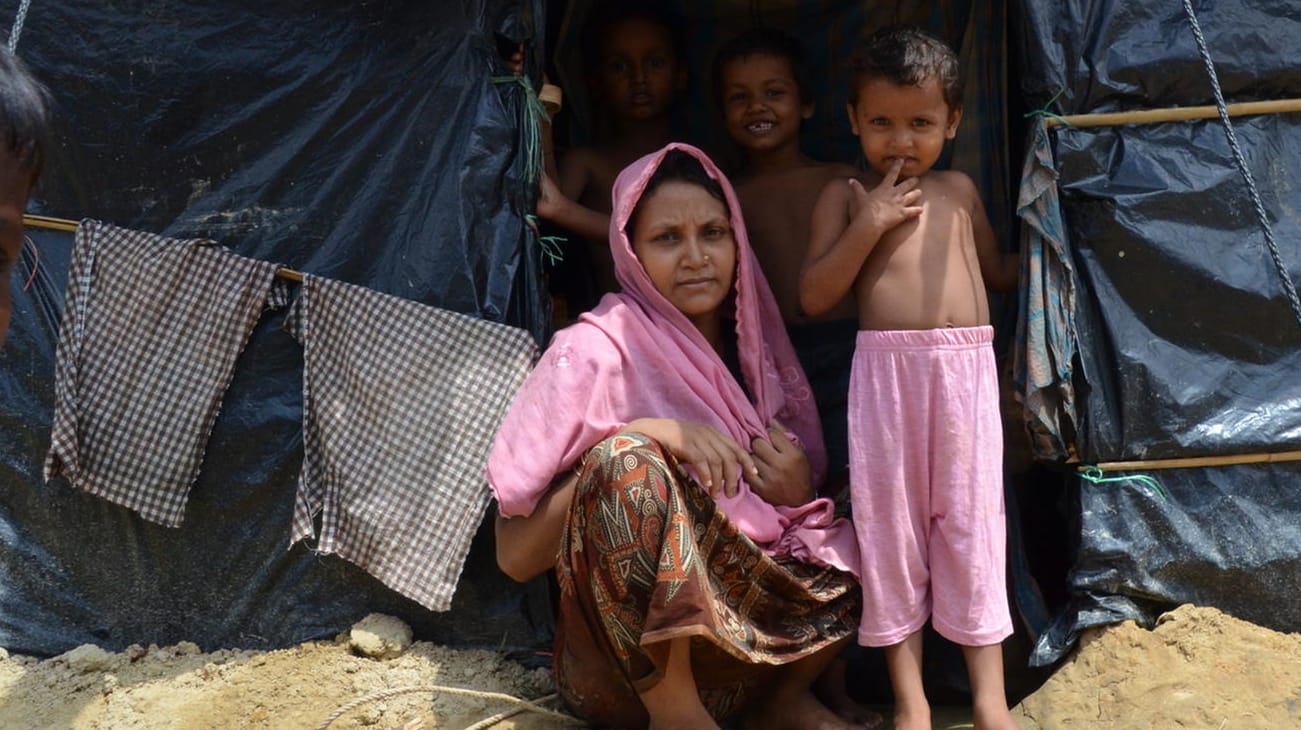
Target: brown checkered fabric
{"x": 400, "y": 405}
{"x": 151, "y": 330}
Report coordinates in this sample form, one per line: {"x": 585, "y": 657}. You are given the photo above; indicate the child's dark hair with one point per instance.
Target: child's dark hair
{"x": 606, "y": 15}
{"x": 906, "y": 55}
{"x": 24, "y": 114}
{"x": 761, "y": 42}
{"x": 683, "y": 167}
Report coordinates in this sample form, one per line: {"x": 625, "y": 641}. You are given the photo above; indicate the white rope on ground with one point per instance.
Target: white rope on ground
{"x": 488, "y": 722}
{"x": 18, "y": 24}
{"x": 1288, "y": 287}
{"x": 525, "y": 705}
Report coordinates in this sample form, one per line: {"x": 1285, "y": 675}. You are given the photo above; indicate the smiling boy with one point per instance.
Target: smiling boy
{"x": 759, "y": 82}
{"x": 761, "y": 86}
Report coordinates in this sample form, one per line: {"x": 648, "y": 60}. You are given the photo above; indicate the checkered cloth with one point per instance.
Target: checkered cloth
{"x": 400, "y": 405}
{"x": 151, "y": 330}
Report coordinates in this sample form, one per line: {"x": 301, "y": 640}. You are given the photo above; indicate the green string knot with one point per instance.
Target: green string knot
{"x": 1095, "y": 474}
{"x": 552, "y": 246}
{"x": 1044, "y": 111}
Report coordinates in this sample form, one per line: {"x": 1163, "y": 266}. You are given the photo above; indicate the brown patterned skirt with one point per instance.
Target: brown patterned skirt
{"x": 647, "y": 557}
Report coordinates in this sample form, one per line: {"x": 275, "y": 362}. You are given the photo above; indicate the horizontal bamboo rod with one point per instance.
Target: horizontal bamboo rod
{"x": 1193, "y": 462}
{"x": 1174, "y": 114}
{"x": 54, "y": 224}
{"x": 63, "y": 224}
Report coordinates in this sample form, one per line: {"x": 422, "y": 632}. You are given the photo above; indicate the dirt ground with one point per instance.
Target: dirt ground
{"x": 1198, "y": 668}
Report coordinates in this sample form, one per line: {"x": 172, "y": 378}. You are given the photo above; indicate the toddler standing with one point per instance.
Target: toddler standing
{"x": 915, "y": 248}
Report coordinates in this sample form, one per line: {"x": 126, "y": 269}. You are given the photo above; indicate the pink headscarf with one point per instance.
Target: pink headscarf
{"x": 636, "y": 356}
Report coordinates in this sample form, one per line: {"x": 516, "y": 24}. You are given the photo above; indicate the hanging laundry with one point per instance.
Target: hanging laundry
{"x": 401, "y": 401}
{"x": 150, "y": 332}
{"x": 1044, "y": 356}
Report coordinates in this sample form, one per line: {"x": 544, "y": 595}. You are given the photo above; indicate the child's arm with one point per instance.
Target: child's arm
{"x": 557, "y": 200}
{"x": 1000, "y": 270}
{"x": 848, "y": 221}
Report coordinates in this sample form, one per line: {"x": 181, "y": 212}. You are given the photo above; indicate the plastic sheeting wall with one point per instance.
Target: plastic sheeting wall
{"x": 362, "y": 141}
{"x": 1187, "y": 345}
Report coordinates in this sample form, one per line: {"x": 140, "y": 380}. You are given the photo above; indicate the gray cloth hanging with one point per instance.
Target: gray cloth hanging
{"x": 151, "y": 330}
{"x": 401, "y": 401}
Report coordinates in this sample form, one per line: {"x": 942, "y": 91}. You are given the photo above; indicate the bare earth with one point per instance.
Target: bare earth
{"x": 1199, "y": 668}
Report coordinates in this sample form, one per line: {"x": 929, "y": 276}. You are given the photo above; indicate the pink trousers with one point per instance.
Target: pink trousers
{"x": 926, "y": 484}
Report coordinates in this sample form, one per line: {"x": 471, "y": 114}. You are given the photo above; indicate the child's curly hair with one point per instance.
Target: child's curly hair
{"x": 905, "y": 55}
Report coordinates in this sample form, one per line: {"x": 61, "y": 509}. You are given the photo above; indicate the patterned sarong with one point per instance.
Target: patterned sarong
{"x": 648, "y": 557}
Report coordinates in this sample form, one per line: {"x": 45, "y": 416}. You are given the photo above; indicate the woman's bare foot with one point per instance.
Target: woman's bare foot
{"x": 803, "y": 711}
{"x": 854, "y": 712}
{"x": 831, "y": 690}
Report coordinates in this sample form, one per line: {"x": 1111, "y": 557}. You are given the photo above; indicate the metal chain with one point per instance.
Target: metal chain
{"x": 1288, "y": 287}
{"x": 18, "y": 24}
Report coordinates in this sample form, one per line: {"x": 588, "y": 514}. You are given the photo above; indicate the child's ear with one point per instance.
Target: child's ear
{"x": 951, "y": 130}
{"x": 806, "y": 110}
{"x": 853, "y": 121}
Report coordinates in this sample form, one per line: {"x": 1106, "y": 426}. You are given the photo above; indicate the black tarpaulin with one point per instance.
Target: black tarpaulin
{"x": 1186, "y": 342}
{"x": 370, "y": 142}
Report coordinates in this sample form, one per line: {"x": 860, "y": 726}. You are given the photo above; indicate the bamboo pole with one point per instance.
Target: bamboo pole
{"x": 64, "y": 224}
{"x": 1174, "y": 114}
{"x": 53, "y": 224}
{"x": 1193, "y": 462}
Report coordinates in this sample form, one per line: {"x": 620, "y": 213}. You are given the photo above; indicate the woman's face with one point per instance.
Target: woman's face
{"x": 683, "y": 239}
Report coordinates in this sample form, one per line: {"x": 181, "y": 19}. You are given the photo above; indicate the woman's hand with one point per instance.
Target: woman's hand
{"x": 784, "y": 477}
{"x": 717, "y": 458}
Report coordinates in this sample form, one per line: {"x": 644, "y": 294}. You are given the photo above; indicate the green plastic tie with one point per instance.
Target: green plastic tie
{"x": 534, "y": 113}
{"x": 1044, "y": 111}
{"x": 1095, "y": 475}
{"x": 552, "y": 246}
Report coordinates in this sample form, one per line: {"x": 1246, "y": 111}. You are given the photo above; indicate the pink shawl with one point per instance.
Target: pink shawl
{"x": 635, "y": 355}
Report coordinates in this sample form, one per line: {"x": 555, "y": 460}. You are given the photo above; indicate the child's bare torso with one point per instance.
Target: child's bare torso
{"x": 601, "y": 166}
{"x": 924, "y": 273}
{"x": 778, "y": 208}
{"x": 601, "y": 169}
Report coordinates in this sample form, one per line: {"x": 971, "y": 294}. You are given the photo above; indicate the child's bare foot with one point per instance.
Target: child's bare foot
{"x": 908, "y": 720}
{"x": 995, "y": 717}
{"x": 911, "y": 713}
{"x": 802, "y": 712}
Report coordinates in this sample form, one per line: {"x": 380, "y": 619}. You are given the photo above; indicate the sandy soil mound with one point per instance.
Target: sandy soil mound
{"x": 301, "y": 687}
{"x": 1199, "y": 668}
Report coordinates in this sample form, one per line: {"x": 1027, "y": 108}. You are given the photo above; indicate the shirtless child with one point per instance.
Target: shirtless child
{"x": 760, "y": 83}
{"x": 915, "y": 248}
{"x": 631, "y": 52}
